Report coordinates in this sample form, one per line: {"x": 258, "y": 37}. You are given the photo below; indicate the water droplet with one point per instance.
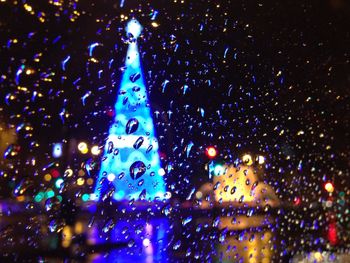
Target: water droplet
{"x": 137, "y": 169}
{"x": 142, "y": 196}
{"x": 216, "y": 185}
{"x": 216, "y": 222}
{"x": 177, "y": 245}
{"x": 140, "y": 182}
{"x": 254, "y": 185}
{"x": 110, "y": 147}
{"x": 132, "y": 126}
{"x": 149, "y": 148}
{"x": 56, "y": 225}
{"x": 125, "y": 100}
{"x": 233, "y": 190}
{"x": 226, "y": 188}
{"x": 131, "y": 243}
{"x": 135, "y": 77}
{"x": 138, "y": 142}
{"x": 121, "y": 175}
{"x": 91, "y": 221}
{"x": 11, "y": 151}
{"x": 136, "y": 89}
{"x": 108, "y": 225}
{"x": 52, "y": 204}
{"x": 186, "y": 220}
{"x": 166, "y": 210}
{"x": 109, "y": 193}
{"x": 22, "y": 187}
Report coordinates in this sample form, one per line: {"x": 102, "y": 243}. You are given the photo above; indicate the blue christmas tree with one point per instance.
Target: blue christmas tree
{"x": 131, "y": 167}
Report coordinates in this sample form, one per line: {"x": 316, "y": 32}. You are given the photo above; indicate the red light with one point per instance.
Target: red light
{"x": 211, "y": 152}
{"x": 55, "y": 173}
{"x": 297, "y": 200}
{"x": 332, "y": 233}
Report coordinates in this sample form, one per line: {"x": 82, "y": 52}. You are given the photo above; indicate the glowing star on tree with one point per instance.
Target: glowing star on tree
{"x": 131, "y": 167}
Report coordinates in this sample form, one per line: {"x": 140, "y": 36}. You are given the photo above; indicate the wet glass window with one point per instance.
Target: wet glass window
{"x": 174, "y": 131}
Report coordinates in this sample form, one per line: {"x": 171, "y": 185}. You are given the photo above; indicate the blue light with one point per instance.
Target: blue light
{"x": 131, "y": 150}
{"x": 57, "y": 150}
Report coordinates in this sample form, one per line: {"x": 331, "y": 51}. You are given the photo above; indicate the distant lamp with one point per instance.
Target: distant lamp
{"x": 83, "y": 148}
{"x": 58, "y": 183}
{"x": 211, "y": 152}
{"x": 260, "y": 159}
{"x": 57, "y": 150}
{"x": 95, "y": 150}
{"x": 111, "y": 177}
{"x": 329, "y": 187}
{"x": 219, "y": 169}
{"x": 247, "y": 159}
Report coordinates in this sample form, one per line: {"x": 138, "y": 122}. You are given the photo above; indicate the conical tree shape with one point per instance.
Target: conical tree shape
{"x": 130, "y": 167}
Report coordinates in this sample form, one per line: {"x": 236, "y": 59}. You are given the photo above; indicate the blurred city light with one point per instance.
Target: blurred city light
{"x": 80, "y": 181}
{"x": 95, "y": 150}
{"x": 260, "y": 159}
{"x": 85, "y": 197}
{"x": 111, "y": 177}
{"x": 219, "y": 169}
{"x": 247, "y": 159}
{"x": 83, "y": 148}
{"x": 47, "y": 177}
{"x": 211, "y": 152}
{"x": 57, "y": 150}
{"x": 58, "y": 183}
{"x": 329, "y": 187}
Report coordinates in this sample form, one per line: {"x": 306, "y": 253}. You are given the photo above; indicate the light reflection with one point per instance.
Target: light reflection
{"x": 252, "y": 247}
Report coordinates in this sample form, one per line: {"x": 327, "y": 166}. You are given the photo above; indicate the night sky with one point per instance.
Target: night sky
{"x": 267, "y": 78}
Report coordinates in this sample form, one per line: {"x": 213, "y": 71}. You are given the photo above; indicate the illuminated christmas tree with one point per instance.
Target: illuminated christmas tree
{"x": 131, "y": 167}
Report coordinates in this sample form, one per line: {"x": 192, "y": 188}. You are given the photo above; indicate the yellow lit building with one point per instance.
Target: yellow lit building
{"x": 238, "y": 186}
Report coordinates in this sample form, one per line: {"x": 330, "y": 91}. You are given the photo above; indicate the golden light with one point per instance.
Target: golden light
{"x": 83, "y": 148}
{"x": 68, "y": 173}
{"x": 80, "y": 181}
{"x": 90, "y": 181}
{"x": 155, "y": 24}
{"x": 28, "y": 8}
{"x": 95, "y": 150}
{"x": 247, "y": 159}
{"x": 78, "y": 228}
{"x": 67, "y": 236}
{"x": 20, "y": 198}
{"x": 329, "y": 187}
{"x": 199, "y": 195}
{"x": 29, "y": 71}
{"x": 85, "y": 151}
{"x": 47, "y": 177}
